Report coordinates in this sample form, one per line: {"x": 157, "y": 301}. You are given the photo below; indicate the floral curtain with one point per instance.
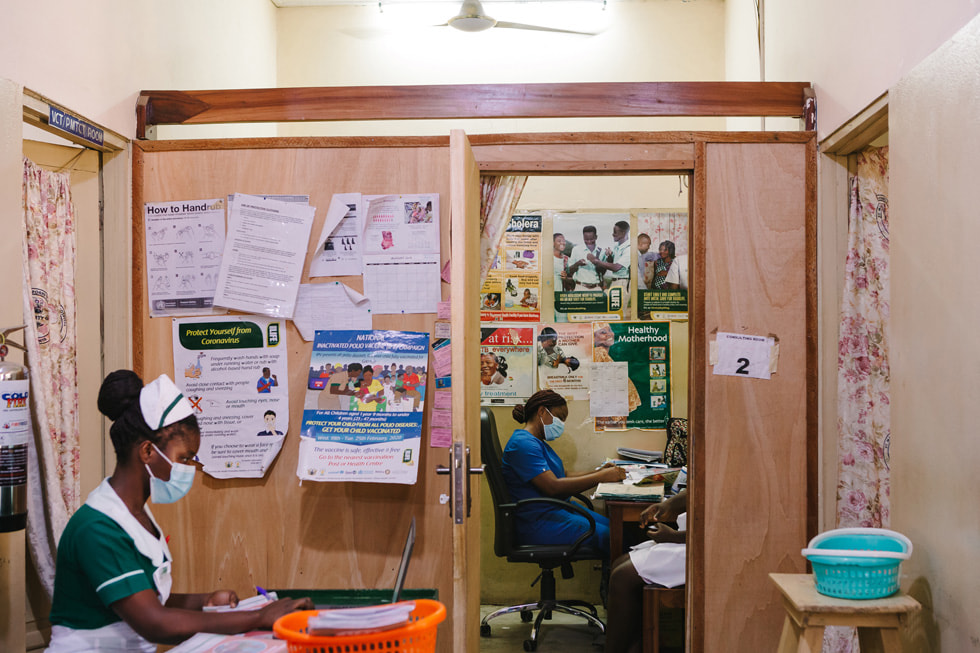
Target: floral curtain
{"x": 498, "y": 201}
{"x": 863, "y": 414}
{"x": 49, "y": 296}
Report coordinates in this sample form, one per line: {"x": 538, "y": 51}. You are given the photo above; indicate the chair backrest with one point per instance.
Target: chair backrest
{"x": 493, "y": 471}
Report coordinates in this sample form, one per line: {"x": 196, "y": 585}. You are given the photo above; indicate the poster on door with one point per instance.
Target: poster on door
{"x": 512, "y": 290}
{"x": 366, "y": 425}
{"x": 233, "y": 371}
{"x": 662, "y": 265}
{"x": 645, "y": 347}
{"x": 593, "y": 282}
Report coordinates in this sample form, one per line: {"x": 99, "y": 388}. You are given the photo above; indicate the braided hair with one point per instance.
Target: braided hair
{"x": 119, "y": 400}
{"x": 542, "y": 398}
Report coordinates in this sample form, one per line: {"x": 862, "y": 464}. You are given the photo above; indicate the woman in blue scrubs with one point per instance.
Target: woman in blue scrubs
{"x": 531, "y": 468}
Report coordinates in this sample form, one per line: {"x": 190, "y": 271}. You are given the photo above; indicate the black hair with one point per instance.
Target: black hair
{"x": 547, "y": 333}
{"x": 623, "y": 225}
{"x": 119, "y": 400}
{"x": 546, "y": 398}
{"x": 670, "y": 247}
{"x": 590, "y": 228}
{"x": 644, "y": 235}
{"x": 354, "y": 367}
{"x": 268, "y": 412}
{"x": 556, "y": 235}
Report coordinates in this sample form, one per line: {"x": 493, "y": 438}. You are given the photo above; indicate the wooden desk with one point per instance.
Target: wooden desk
{"x": 808, "y": 612}
{"x": 620, "y": 513}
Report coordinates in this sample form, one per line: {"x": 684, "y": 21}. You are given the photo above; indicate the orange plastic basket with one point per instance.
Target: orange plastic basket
{"x": 417, "y": 636}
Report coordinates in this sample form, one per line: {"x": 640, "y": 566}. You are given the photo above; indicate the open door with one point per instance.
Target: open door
{"x": 464, "y": 182}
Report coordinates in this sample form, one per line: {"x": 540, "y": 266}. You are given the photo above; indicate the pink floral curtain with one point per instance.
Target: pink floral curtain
{"x": 863, "y": 414}
{"x": 498, "y": 201}
{"x": 49, "y": 308}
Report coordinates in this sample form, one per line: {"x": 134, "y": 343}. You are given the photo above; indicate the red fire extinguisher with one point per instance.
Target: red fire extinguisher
{"x": 15, "y": 433}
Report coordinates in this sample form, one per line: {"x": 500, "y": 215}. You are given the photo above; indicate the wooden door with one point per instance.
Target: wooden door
{"x": 271, "y": 531}
{"x": 465, "y": 188}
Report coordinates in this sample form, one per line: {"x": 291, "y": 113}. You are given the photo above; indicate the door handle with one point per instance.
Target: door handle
{"x": 459, "y": 494}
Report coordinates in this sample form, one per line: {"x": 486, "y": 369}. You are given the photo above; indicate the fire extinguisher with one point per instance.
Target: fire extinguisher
{"x": 15, "y": 433}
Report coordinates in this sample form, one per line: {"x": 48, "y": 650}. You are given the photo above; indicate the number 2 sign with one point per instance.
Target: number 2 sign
{"x": 742, "y": 355}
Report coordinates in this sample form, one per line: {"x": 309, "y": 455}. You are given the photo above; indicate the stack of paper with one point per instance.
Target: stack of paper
{"x": 360, "y": 620}
{"x": 253, "y": 642}
{"x": 251, "y": 603}
{"x": 629, "y": 492}
{"x": 640, "y": 454}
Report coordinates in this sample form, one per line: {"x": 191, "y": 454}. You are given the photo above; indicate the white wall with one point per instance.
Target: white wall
{"x": 934, "y": 151}
{"x": 854, "y": 51}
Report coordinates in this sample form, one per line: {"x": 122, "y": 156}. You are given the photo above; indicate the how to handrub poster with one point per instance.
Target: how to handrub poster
{"x": 233, "y": 371}
{"x": 645, "y": 347}
{"x": 367, "y": 424}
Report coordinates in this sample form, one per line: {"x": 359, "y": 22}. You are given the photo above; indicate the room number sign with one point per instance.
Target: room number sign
{"x": 743, "y": 355}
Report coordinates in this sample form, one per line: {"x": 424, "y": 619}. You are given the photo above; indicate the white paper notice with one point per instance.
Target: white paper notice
{"x": 330, "y": 306}
{"x": 338, "y": 249}
{"x": 609, "y": 392}
{"x": 263, "y": 257}
{"x": 401, "y": 253}
{"x": 742, "y": 355}
{"x": 233, "y": 371}
{"x": 184, "y": 242}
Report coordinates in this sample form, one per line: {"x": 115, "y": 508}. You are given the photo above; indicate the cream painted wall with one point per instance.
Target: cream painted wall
{"x": 934, "y": 145}
{"x": 95, "y": 57}
{"x": 667, "y": 40}
{"x": 854, "y": 51}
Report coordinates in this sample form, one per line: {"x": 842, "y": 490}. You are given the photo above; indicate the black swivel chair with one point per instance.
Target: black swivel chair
{"x": 546, "y": 556}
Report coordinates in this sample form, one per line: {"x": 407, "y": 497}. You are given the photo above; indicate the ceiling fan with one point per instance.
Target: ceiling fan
{"x": 472, "y": 18}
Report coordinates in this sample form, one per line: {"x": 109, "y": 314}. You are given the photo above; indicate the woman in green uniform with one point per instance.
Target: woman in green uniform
{"x": 113, "y": 574}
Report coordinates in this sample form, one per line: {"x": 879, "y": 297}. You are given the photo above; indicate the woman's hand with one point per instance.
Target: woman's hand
{"x": 661, "y": 533}
{"x": 611, "y": 473}
{"x": 276, "y": 609}
{"x": 222, "y": 597}
{"x": 667, "y": 510}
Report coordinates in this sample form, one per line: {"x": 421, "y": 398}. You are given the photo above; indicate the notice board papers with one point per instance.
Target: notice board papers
{"x": 263, "y": 256}
{"x": 338, "y": 251}
{"x": 401, "y": 253}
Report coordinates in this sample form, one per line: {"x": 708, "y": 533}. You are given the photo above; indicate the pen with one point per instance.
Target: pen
{"x": 262, "y": 592}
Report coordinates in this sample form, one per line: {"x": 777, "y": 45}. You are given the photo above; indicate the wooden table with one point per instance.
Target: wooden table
{"x": 808, "y": 612}
{"x": 620, "y": 513}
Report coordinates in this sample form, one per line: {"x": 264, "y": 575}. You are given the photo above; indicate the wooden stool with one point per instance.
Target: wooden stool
{"x": 655, "y": 598}
{"x": 808, "y": 612}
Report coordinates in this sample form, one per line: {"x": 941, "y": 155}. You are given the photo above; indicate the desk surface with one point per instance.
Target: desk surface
{"x": 620, "y": 513}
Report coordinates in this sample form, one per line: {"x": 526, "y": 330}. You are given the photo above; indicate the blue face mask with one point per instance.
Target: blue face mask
{"x": 554, "y": 430}
{"x": 181, "y": 479}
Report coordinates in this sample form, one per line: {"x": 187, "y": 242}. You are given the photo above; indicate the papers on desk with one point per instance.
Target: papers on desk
{"x": 345, "y": 621}
{"x": 629, "y": 492}
{"x": 640, "y": 454}
{"x": 259, "y": 641}
{"x": 251, "y": 603}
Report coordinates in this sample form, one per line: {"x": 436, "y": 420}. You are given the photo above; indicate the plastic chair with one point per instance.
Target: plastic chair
{"x": 546, "y": 556}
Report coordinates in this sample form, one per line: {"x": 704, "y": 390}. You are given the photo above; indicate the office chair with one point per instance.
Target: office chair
{"x": 546, "y": 556}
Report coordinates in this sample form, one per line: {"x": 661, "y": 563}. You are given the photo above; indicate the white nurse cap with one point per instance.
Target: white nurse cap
{"x": 162, "y": 403}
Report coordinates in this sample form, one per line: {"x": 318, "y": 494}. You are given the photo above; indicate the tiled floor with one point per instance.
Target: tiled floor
{"x": 563, "y": 634}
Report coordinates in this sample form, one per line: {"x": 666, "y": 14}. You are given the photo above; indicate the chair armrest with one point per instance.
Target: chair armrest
{"x": 565, "y": 505}
{"x": 584, "y": 500}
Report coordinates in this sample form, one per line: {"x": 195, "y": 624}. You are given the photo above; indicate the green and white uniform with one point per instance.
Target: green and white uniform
{"x": 105, "y": 555}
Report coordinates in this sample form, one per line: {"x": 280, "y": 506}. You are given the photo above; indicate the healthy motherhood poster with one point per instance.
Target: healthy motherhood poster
{"x": 645, "y": 346}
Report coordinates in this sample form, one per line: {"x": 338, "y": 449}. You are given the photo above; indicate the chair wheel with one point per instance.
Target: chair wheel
{"x": 527, "y": 617}
{"x": 484, "y": 630}
{"x": 530, "y": 645}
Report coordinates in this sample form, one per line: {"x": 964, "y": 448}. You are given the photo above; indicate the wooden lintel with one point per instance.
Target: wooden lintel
{"x": 585, "y": 100}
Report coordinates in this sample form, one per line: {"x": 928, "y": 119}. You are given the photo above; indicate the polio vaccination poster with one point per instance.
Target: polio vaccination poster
{"x": 233, "y": 371}
{"x": 645, "y": 347}
{"x": 367, "y": 423}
